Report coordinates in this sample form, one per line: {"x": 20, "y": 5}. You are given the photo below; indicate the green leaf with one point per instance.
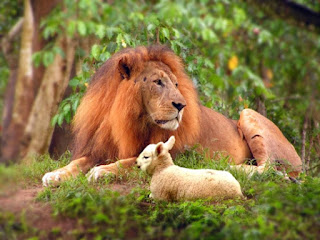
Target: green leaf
{"x": 127, "y": 38}
{"x": 165, "y": 32}
{"x": 54, "y": 120}
{"x": 58, "y": 50}
{"x": 209, "y": 35}
{"x": 177, "y": 34}
{"x": 75, "y": 105}
{"x": 36, "y": 58}
{"x": 221, "y": 24}
{"x": 239, "y": 16}
{"x": 265, "y": 37}
{"x": 119, "y": 39}
{"x": 48, "y": 32}
{"x": 82, "y": 29}
{"x": 110, "y": 31}
{"x": 74, "y": 82}
{"x": 67, "y": 117}
{"x": 151, "y": 27}
{"x": 101, "y": 31}
{"x": 95, "y": 51}
{"x": 66, "y": 108}
{"x": 48, "y": 58}
{"x": 105, "y": 56}
{"x": 71, "y": 28}
{"x": 60, "y": 119}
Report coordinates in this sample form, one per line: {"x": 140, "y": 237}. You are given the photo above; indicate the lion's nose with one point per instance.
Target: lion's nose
{"x": 178, "y": 106}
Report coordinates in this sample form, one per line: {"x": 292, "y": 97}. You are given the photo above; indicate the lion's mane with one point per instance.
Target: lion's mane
{"x": 111, "y": 122}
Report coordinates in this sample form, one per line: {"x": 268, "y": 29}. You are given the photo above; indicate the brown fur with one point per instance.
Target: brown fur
{"x": 114, "y": 121}
{"x": 110, "y": 122}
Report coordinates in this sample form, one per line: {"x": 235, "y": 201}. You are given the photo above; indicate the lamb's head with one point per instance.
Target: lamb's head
{"x": 149, "y": 157}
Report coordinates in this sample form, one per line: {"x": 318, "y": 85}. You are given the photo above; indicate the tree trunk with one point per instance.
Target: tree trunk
{"x": 25, "y": 79}
{"x": 12, "y": 60}
{"x": 23, "y": 97}
{"x": 39, "y": 131}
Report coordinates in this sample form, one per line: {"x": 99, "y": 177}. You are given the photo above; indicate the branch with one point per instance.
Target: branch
{"x": 6, "y": 42}
{"x": 303, "y": 137}
{"x": 16, "y": 29}
{"x": 293, "y": 13}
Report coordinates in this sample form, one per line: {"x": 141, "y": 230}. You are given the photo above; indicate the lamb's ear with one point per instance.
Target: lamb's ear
{"x": 125, "y": 68}
{"x": 159, "y": 148}
{"x": 170, "y": 143}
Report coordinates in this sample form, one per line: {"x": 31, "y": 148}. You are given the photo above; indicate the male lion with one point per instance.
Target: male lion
{"x": 142, "y": 96}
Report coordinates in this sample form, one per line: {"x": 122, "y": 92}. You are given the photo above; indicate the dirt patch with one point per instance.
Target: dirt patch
{"x": 16, "y": 201}
{"x": 123, "y": 189}
{"x": 37, "y": 214}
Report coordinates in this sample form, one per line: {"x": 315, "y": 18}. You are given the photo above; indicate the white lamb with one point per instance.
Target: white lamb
{"x": 172, "y": 183}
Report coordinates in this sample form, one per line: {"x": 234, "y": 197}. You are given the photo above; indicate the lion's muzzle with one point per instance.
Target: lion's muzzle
{"x": 178, "y": 106}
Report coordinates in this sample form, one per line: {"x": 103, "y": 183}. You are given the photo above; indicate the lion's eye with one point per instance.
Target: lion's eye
{"x": 158, "y": 82}
{"x": 176, "y": 84}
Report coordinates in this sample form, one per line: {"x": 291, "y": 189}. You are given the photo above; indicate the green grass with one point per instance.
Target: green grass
{"x": 274, "y": 208}
{"x": 31, "y": 174}
{"x": 12, "y": 227}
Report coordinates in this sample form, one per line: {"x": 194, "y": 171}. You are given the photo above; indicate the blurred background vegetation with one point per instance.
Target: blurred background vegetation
{"x": 264, "y": 55}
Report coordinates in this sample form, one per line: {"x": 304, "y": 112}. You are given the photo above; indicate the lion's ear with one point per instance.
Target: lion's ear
{"x": 124, "y": 68}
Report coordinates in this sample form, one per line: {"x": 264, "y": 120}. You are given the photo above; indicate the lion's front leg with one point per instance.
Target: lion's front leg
{"x": 71, "y": 170}
{"x": 116, "y": 168}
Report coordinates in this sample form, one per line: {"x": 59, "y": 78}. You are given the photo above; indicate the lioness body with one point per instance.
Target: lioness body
{"x": 142, "y": 96}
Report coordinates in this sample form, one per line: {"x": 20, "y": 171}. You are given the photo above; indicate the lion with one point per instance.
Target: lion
{"x": 143, "y": 95}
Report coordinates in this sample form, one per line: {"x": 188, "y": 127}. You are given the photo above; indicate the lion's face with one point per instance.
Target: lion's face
{"x": 161, "y": 97}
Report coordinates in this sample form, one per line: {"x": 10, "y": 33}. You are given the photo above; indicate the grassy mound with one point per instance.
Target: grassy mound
{"x": 119, "y": 208}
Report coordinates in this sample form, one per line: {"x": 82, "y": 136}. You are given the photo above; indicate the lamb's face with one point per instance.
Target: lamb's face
{"x": 152, "y": 152}
{"x": 146, "y": 156}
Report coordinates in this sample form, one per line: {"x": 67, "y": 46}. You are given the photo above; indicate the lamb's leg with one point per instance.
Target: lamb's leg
{"x": 267, "y": 143}
{"x": 116, "y": 168}
{"x": 71, "y": 170}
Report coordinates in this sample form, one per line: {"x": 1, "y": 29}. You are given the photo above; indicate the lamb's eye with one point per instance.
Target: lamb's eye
{"x": 158, "y": 82}
{"x": 176, "y": 84}
{"x": 145, "y": 157}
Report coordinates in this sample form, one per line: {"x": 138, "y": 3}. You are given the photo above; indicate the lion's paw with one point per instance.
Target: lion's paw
{"x": 53, "y": 178}
{"x": 99, "y": 172}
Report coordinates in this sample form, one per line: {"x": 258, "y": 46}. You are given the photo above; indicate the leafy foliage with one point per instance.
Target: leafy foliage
{"x": 233, "y": 53}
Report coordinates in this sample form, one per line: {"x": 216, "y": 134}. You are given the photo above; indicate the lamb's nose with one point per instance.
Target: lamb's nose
{"x": 178, "y": 106}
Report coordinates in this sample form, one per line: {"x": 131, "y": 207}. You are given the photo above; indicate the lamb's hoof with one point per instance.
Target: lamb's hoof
{"x": 99, "y": 172}
{"x": 53, "y": 178}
